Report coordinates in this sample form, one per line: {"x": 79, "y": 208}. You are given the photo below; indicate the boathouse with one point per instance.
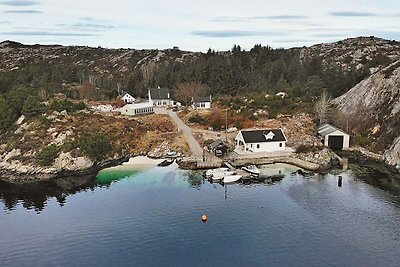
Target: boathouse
{"x": 267, "y": 140}
{"x": 137, "y": 109}
{"x": 333, "y": 137}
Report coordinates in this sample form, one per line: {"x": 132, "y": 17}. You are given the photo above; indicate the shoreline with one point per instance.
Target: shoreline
{"x": 146, "y": 161}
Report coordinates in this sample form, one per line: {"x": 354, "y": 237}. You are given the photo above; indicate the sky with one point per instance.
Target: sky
{"x": 196, "y": 25}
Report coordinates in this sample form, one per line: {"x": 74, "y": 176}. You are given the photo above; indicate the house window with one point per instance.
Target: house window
{"x": 251, "y": 145}
{"x": 258, "y": 145}
{"x": 280, "y": 144}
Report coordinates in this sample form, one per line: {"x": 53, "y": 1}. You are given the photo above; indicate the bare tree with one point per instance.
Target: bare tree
{"x": 323, "y": 108}
{"x": 186, "y": 91}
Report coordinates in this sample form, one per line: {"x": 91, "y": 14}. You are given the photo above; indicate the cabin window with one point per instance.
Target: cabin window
{"x": 258, "y": 145}
{"x": 251, "y": 145}
{"x": 280, "y": 144}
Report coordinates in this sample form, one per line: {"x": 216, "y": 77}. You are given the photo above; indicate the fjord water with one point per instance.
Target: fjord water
{"x": 153, "y": 218}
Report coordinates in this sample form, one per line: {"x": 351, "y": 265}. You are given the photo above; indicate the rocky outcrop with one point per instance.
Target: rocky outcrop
{"x": 374, "y": 108}
{"x": 66, "y": 162}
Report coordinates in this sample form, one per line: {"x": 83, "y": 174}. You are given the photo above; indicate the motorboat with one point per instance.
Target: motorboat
{"x": 231, "y": 178}
{"x": 219, "y": 175}
{"x": 251, "y": 169}
{"x": 210, "y": 172}
{"x": 166, "y": 162}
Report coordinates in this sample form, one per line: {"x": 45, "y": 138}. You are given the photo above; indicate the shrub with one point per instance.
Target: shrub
{"x": 32, "y": 107}
{"x": 96, "y": 145}
{"x": 196, "y": 118}
{"x": 362, "y": 140}
{"x": 65, "y": 104}
{"x": 208, "y": 142}
{"x": 47, "y": 155}
{"x": 306, "y": 148}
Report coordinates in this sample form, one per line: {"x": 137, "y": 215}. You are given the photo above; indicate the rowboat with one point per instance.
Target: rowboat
{"x": 231, "y": 178}
{"x": 251, "y": 169}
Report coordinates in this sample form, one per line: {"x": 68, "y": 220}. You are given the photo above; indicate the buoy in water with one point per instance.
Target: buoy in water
{"x": 204, "y": 218}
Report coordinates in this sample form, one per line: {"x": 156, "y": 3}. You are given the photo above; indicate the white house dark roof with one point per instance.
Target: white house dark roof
{"x": 160, "y": 93}
{"x": 217, "y": 143}
{"x": 327, "y": 129}
{"x": 261, "y": 136}
{"x": 199, "y": 99}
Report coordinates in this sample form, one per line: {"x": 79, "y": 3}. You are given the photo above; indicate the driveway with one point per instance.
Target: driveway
{"x": 195, "y": 147}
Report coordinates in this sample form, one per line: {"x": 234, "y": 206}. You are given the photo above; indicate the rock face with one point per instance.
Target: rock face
{"x": 66, "y": 161}
{"x": 374, "y": 104}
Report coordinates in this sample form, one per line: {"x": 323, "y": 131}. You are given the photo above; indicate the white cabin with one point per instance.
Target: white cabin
{"x": 267, "y": 140}
{"x": 127, "y": 98}
{"x": 202, "y": 102}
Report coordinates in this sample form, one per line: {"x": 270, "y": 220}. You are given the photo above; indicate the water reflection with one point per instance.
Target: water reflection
{"x": 35, "y": 195}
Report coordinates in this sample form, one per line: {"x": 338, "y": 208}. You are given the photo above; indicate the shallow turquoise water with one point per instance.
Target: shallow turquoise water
{"x": 153, "y": 218}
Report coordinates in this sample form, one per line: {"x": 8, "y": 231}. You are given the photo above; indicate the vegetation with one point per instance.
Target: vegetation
{"x": 47, "y": 155}
{"x": 65, "y": 104}
{"x": 96, "y": 145}
{"x": 33, "y": 107}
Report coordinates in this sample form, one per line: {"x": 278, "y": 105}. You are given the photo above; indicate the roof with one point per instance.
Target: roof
{"x": 139, "y": 105}
{"x": 260, "y": 136}
{"x": 160, "y": 93}
{"x": 327, "y": 129}
{"x": 202, "y": 99}
{"x": 216, "y": 143}
{"x": 126, "y": 94}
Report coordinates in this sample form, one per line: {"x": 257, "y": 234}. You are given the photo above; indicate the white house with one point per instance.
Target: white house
{"x": 333, "y": 137}
{"x": 267, "y": 140}
{"x": 161, "y": 97}
{"x": 127, "y": 98}
{"x": 202, "y": 102}
{"x": 137, "y": 109}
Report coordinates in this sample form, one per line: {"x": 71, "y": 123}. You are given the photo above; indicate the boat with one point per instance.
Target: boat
{"x": 251, "y": 169}
{"x": 209, "y": 173}
{"x": 231, "y": 178}
{"x": 219, "y": 175}
{"x": 166, "y": 162}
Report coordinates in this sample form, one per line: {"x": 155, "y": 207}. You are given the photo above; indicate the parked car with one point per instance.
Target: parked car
{"x": 175, "y": 108}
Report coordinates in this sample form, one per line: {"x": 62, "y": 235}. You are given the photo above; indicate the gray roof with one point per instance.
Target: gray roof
{"x": 258, "y": 136}
{"x": 198, "y": 99}
{"x": 327, "y": 129}
{"x": 160, "y": 93}
{"x": 217, "y": 143}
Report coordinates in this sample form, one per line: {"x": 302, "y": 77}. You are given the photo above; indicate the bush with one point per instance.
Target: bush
{"x": 196, "y": 118}
{"x": 47, "y": 155}
{"x": 65, "y": 104}
{"x": 306, "y": 149}
{"x": 362, "y": 141}
{"x": 96, "y": 146}
{"x": 33, "y": 107}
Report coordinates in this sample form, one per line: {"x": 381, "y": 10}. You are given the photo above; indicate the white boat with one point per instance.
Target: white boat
{"x": 209, "y": 173}
{"x": 219, "y": 175}
{"x": 231, "y": 178}
{"x": 251, "y": 169}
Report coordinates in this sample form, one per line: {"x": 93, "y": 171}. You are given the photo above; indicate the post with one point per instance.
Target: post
{"x": 226, "y": 126}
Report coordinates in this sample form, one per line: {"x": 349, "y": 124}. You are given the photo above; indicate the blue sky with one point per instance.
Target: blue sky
{"x": 196, "y": 26}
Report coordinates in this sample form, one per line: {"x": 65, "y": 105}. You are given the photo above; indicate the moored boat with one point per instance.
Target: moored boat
{"x": 166, "y": 162}
{"x": 219, "y": 175}
{"x": 210, "y": 172}
{"x": 251, "y": 169}
{"x": 231, "y": 178}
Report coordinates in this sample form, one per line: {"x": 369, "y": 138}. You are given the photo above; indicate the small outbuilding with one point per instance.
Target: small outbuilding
{"x": 127, "y": 98}
{"x": 218, "y": 147}
{"x": 333, "y": 137}
{"x": 267, "y": 140}
{"x": 202, "y": 102}
{"x": 137, "y": 109}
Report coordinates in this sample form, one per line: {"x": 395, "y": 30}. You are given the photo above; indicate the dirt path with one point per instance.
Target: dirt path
{"x": 195, "y": 147}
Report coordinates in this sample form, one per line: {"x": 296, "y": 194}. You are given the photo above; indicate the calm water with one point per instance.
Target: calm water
{"x": 153, "y": 218}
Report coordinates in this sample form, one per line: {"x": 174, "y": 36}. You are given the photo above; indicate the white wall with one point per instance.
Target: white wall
{"x": 267, "y": 146}
{"x": 202, "y": 105}
{"x": 346, "y": 138}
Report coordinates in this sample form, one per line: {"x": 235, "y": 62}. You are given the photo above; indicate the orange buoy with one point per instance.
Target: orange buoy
{"x": 204, "y": 218}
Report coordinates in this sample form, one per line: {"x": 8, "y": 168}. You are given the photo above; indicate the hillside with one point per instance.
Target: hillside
{"x": 373, "y": 109}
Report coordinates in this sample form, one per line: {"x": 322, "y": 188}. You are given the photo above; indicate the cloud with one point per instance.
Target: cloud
{"x": 235, "y": 33}
{"x": 43, "y": 33}
{"x": 19, "y": 3}
{"x": 4, "y": 22}
{"x": 93, "y": 26}
{"x": 353, "y": 14}
{"x": 24, "y": 12}
{"x": 257, "y": 18}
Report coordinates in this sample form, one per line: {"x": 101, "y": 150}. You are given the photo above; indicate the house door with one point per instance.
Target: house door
{"x": 335, "y": 142}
